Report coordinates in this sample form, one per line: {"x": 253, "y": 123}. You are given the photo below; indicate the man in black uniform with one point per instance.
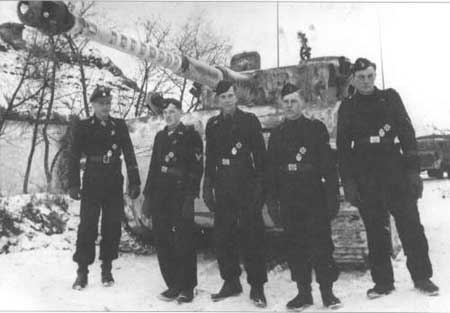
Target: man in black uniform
{"x": 102, "y": 139}
{"x": 234, "y": 165}
{"x": 302, "y": 177}
{"x": 379, "y": 168}
{"x": 173, "y": 183}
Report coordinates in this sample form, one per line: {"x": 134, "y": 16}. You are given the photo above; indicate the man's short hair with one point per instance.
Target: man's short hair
{"x": 223, "y": 86}
{"x": 362, "y": 64}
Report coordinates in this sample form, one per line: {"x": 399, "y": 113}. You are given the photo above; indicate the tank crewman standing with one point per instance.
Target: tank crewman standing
{"x": 234, "y": 170}
{"x": 302, "y": 177}
{"x": 379, "y": 168}
{"x": 173, "y": 182}
{"x": 102, "y": 139}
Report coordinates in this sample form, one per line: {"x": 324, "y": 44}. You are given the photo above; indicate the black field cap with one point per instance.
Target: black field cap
{"x": 288, "y": 88}
{"x": 173, "y": 101}
{"x": 361, "y": 64}
{"x": 223, "y": 86}
{"x": 100, "y": 92}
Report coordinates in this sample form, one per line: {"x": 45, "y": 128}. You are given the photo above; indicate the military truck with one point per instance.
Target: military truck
{"x": 434, "y": 153}
{"x": 324, "y": 81}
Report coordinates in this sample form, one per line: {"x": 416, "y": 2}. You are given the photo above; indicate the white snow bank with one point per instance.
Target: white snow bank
{"x": 41, "y": 279}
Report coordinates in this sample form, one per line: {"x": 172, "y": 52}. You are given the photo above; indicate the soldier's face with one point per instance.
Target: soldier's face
{"x": 172, "y": 115}
{"x": 292, "y": 105}
{"x": 227, "y": 100}
{"x": 364, "y": 81}
{"x": 102, "y": 107}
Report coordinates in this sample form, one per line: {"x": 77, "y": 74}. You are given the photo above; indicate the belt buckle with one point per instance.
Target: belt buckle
{"x": 292, "y": 167}
{"x": 164, "y": 169}
{"x": 106, "y": 159}
{"x": 226, "y": 162}
{"x": 374, "y": 139}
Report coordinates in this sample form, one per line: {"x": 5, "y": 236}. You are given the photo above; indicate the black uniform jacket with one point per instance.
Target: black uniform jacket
{"x": 102, "y": 144}
{"x": 301, "y": 164}
{"x": 375, "y": 134}
{"x": 176, "y": 156}
{"x": 235, "y": 151}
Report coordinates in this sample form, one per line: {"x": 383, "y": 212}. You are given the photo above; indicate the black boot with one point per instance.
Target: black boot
{"x": 230, "y": 288}
{"x": 185, "y": 296}
{"x": 82, "y": 277}
{"x": 302, "y": 300}
{"x": 257, "y": 296}
{"x": 169, "y": 295}
{"x": 426, "y": 286}
{"x": 107, "y": 278}
{"x": 380, "y": 290}
{"x": 329, "y": 300}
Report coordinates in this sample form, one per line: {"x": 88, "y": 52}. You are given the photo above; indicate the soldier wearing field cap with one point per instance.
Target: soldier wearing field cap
{"x": 234, "y": 170}
{"x": 379, "y": 168}
{"x": 102, "y": 139}
{"x": 302, "y": 178}
{"x": 173, "y": 182}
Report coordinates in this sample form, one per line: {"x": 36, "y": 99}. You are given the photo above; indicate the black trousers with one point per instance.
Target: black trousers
{"x": 383, "y": 193}
{"x": 100, "y": 194}
{"x": 239, "y": 230}
{"x": 174, "y": 239}
{"x": 309, "y": 243}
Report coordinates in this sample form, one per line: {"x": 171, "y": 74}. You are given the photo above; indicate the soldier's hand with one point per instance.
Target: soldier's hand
{"x": 208, "y": 194}
{"x": 415, "y": 183}
{"x": 75, "y": 193}
{"x": 351, "y": 193}
{"x": 134, "y": 191}
{"x": 188, "y": 207}
{"x": 273, "y": 206}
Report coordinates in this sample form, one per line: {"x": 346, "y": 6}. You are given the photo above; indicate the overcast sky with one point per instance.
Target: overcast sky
{"x": 414, "y": 38}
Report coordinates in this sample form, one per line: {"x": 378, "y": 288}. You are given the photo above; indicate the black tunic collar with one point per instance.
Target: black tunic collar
{"x": 96, "y": 121}
{"x": 179, "y": 129}
{"x": 236, "y": 114}
{"x": 298, "y": 121}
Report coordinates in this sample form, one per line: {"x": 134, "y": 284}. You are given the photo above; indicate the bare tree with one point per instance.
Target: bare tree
{"x": 48, "y": 65}
{"x": 195, "y": 38}
{"x": 21, "y": 94}
{"x": 52, "y": 86}
{"x": 198, "y": 40}
{"x": 154, "y": 78}
{"x": 81, "y": 8}
{"x": 34, "y": 138}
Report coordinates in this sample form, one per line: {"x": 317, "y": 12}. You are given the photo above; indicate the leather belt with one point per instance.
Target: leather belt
{"x": 375, "y": 140}
{"x": 172, "y": 171}
{"x": 102, "y": 159}
{"x": 297, "y": 168}
{"x": 226, "y": 162}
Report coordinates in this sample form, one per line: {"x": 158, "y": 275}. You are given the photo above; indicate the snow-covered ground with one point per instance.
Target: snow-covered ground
{"x": 41, "y": 279}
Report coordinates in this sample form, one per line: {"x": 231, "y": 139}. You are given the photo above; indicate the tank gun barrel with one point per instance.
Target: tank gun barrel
{"x": 53, "y": 18}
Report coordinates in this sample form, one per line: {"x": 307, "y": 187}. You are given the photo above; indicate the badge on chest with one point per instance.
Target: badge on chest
{"x": 301, "y": 153}
{"x": 169, "y": 157}
{"x": 236, "y": 148}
